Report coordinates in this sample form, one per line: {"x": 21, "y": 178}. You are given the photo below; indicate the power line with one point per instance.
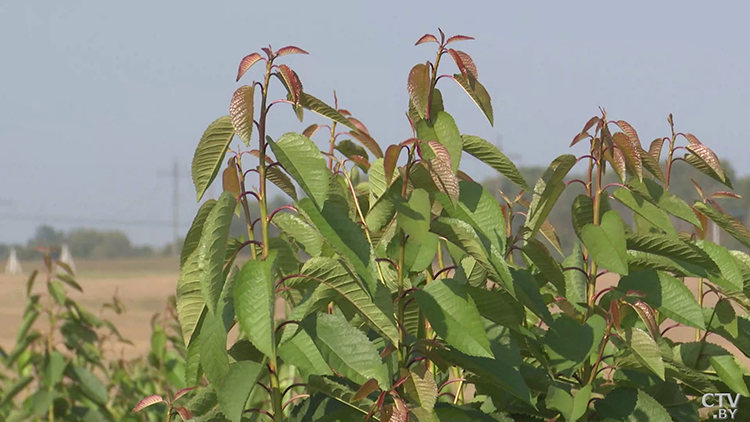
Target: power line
{"x": 175, "y": 202}
{"x": 58, "y": 218}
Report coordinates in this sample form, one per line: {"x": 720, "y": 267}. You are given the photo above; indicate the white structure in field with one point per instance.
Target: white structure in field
{"x": 67, "y": 258}
{"x": 13, "y": 267}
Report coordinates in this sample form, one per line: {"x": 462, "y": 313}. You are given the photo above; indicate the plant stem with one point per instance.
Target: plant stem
{"x": 597, "y": 207}
{"x": 278, "y": 413}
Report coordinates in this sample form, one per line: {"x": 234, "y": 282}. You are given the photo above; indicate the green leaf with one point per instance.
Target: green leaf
{"x": 666, "y": 293}
{"x": 731, "y": 225}
{"x": 212, "y": 343}
{"x": 730, "y": 373}
{"x": 210, "y": 153}
{"x": 378, "y": 312}
{"x": 254, "y": 303}
{"x": 454, "y": 316}
{"x": 317, "y": 106}
{"x": 576, "y": 283}
{"x": 418, "y": 256}
{"x": 241, "y": 111}
{"x": 445, "y": 131}
{"x": 418, "y": 86}
{"x": 606, "y": 243}
{"x": 193, "y": 236}
{"x": 550, "y": 269}
{"x": 300, "y": 351}
{"x": 54, "y": 366}
{"x": 302, "y": 159}
{"x": 346, "y": 349}
{"x": 350, "y": 149}
{"x": 441, "y": 170}
{"x": 235, "y": 388}
{"x": 497, "y": 306}
{"x": 420, "y": 386}
{"x": 189, "y": 297}
{"x": 342, "y": 392}
{"x": 560, "y": 400}
{"x": 477, "y": 207}
{"x": 282, "y": 181}
{"x": 301, "y": 232}
{"x": 14, "y": 389}
{"x": 57, "y": 291}
{"x": 630, "y": 405}
{"x": 478, "y": 94}
{"x": 377, "y": 180}
{"x": 91, "y": 386}
{"x": 546, "y": 193}
{"x": 414, "y": 217}
{"x": 727, "y": 317}
{"x": 345, "y": 236}
{"x": 645, "y": 349}
{"x": 501, "y": 372}
{"x": 566, "y": 355}
{"x": 645, "y": 209}
{"x": 731, "y": 277}
{"x": 212, "y": 249}
{"x": 669, "y": 202}
{"x": 493, "y": 157}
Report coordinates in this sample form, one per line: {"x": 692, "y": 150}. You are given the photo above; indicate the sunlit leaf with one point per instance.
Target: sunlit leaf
{"x": 241, "y": 111}
{"x": 418, "y": 87}
{"x": 246, "y": 63}
{"x": 210, "y": 153}
{"x": 283, "y": 51}
{"x": 478, "y": 94}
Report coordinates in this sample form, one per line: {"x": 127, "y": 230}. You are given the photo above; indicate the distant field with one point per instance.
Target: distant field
{"x": 143, "y": 285}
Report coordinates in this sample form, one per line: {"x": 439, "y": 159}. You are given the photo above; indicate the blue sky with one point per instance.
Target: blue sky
{"x": 98, "y": 97}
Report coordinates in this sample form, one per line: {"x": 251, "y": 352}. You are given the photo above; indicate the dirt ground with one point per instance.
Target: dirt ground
{"x": 144, "y": 286}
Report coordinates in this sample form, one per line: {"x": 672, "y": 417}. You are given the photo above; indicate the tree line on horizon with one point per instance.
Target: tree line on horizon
{"x": 91, "y": 243}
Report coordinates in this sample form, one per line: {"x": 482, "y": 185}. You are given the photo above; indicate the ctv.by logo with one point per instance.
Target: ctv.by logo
{"x": 723, "y": 413}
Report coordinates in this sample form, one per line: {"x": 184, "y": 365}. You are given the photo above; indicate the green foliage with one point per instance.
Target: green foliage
{"x": 418, "y": 294}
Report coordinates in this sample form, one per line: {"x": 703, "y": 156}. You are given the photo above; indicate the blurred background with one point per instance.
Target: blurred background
{"x": 102, "y": 105}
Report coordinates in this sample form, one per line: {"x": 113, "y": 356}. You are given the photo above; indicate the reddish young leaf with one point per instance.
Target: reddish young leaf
{"x": 715, "y": 205}
{"x": 396, "y": 412}
{"x": 697, "y": 188}
{"x": 578, "y": 138}
{"x": 390, "y": 161}
{"x": 459, "y": 62}
{"x": 419, "y": 89}
{"x": 654, "y": 149}
{"x": 292, "y": 82}
{"x": 310, "y": 130}
{"x": 148, "y": 401}
{"x": 268, "y": 51}
{"x": 457, "y": 38}
{"x": 366, "y": 140}
{"x": 647, "y": 315}
{"x": 241, "y": 110}
{"x": 441, "y": 170}
{"x": 230, "y": 179}
{"x": 283, "y": 51}
{"x": 365, "y": 390}
{"x": 246, "y": 63}
{"x": 614, "y": 313}
{"x": 359, "y": 125}
{"x": 184, "y": 414}
{"x": 632, "y": 134}
{"x": 181, "y": 393}
{"x": 725, "y": 194}
{"x": 361, "y": 161}
{"x": 708, "y": 157}
{"x": 692, "y": 139}
{"x": 426, "y": 38}
{"x": 255, "y": 153}
{"x": 463, "y": 176}
{"x": 592, "y": 121}
{"x": 344, "y": 112}
{"x": 631, "y": 151}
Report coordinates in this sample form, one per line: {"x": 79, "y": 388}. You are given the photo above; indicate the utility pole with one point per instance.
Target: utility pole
{"x": 175, "y": 175}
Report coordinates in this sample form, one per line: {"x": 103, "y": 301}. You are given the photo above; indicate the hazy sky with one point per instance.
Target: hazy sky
{"x": 99, "y": 97}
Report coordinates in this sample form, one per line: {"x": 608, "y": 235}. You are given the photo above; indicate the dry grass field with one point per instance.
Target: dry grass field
{"x": 144, "y": 285}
